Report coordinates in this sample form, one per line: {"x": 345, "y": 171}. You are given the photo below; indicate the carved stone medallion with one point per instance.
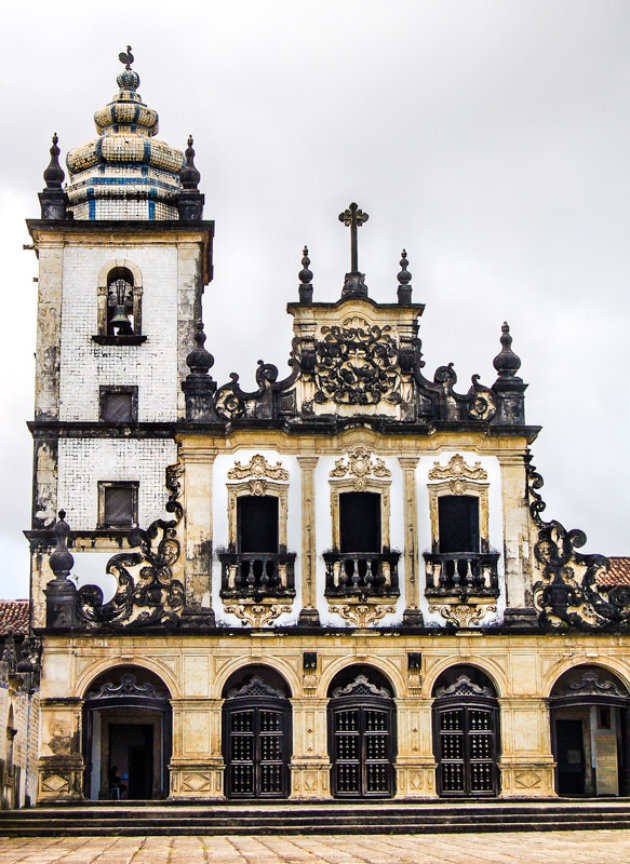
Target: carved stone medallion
{"x": 257, "y": 614}
{"x": 362, "y": 614}
{"x": 457, "y": 468}
{"x": 258, "y": 467}
{"x": 360, "y": 463}
{"x": 462, "y": 614}
{"x": 357, "y": 363}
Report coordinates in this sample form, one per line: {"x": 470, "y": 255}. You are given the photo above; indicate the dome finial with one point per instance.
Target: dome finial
{"x": 507, "y": 363}
{"x": 189, "y": 174}
{"x": 200, "y": 360}
{"x": 404, "y": 280}
{"x": 53, "y": 175}
{"x": 306, "y": 277}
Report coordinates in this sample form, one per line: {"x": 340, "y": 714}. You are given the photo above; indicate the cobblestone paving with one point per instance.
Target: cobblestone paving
{"x": 542, "y": 847}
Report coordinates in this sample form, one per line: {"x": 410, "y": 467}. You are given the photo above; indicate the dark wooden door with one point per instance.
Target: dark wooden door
{"x": 466, "y": 751}
{"x": 362, "y": 751}
{"x": 257, "y": 750}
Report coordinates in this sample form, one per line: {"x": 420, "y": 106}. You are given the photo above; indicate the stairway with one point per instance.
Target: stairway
{"x": 144, "y": 818}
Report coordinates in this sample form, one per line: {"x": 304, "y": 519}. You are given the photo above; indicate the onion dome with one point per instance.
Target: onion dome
{"x": 125, "y": 173}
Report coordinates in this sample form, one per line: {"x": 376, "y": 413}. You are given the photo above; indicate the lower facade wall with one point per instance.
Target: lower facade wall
{"x": 195, "y": 669}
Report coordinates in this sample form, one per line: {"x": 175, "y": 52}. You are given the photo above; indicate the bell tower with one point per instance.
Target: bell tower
{"x": 124, "y": 255}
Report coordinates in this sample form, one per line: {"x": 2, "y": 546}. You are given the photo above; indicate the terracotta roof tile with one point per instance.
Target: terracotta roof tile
{"x": 14, "y": 613}
{"x": 619, "y": 573}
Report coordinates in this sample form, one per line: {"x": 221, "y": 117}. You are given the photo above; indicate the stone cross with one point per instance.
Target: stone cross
{"x": 353, "y": 218}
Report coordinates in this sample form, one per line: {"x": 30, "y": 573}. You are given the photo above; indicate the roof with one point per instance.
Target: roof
{"x": 619, "y": 573}
{"x": 15, "y": 614}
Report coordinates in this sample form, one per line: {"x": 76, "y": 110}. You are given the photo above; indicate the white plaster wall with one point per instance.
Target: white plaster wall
{"x": 324, "y": 535}
{"x": 222, "y": 465}
{"x": 83, "y": 462}
{"x": 495, "y": 524}
{"x": 151, "y": 366}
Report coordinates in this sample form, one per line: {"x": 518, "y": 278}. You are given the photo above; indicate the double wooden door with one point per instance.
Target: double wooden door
{"x": 362, "y": 749}
{"x": 466, "y": 745}
{"x": 257, "y": 748}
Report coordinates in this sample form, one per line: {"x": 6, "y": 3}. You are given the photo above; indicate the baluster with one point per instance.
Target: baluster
{"x": 355, "y": 577}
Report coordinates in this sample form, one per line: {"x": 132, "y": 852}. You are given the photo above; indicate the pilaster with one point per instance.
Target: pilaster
{"x": 310, "y": 764}
{"x": 308, "y": 613}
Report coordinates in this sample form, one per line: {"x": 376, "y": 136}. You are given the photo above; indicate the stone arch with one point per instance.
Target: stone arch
{"x": 487, "y": 666}
{"x": 589, "y": 716}
{"x": 154, "y": 666}
{"x": 279, "y": 666}
{"x": 127, "y": 734}
{"x": 386, "y": 668}
{"x": 555, "y": 672}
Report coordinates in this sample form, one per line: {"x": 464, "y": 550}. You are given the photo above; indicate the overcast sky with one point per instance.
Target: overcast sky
{"x": 490, "y": 139}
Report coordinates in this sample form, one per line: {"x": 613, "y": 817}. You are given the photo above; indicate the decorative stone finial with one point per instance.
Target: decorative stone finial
{"x": 199, "y": 361}
{"x": 129, "y": 78}
{"x": 404, "y": 280}
{"x": 54, "y": 175}
{"x": 306, "y": 277}
{"x": 189, "y": 174}
{"x": 507, "y": 363}
{"x": 61, "y": 561}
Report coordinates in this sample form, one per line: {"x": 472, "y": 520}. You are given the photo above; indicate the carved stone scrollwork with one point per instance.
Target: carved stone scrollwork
{"x": 463, "y": 614}
{"x": 457, "y": 467}
{"x": 360, "y": 463}
{"x": 258, "y": 467}
{"x": 357, "y": 364}
{"x": 464, "y": 688}
{"x": 362, "y": 614}
{"x": 257, "y": 614}
{"x": 568, "y": 594}
{"x": 149, "y": 595}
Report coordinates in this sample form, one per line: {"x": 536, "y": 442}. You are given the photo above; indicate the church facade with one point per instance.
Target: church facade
{"x": 338, "y": 585}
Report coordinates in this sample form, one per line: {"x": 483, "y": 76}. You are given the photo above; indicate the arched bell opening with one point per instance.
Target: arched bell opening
{"x": 466, "y": 740}
{"x": 127, "y": 722}
{"x": 590, "y": 733}
{"x": 362, "y": 734}
{"x": 257, "y": 734}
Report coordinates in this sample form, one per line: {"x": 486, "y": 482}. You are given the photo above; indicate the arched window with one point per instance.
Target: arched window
{"x": 119, "y": 304}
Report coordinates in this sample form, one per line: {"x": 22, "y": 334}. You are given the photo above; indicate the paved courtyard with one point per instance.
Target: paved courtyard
{"x": 576, "y": 847}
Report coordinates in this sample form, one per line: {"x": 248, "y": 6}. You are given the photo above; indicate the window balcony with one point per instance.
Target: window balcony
{"x": 257, "y": 574}
{"x": 462, "y": 573}
{"x": 361, "y": 574}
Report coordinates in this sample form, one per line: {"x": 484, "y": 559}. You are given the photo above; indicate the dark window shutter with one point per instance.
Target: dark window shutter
{"x": 119, "y": 506}
{"x": 118, "y": 407}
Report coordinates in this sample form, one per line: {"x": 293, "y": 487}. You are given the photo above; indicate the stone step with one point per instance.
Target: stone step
{"x": 147, "y": 818}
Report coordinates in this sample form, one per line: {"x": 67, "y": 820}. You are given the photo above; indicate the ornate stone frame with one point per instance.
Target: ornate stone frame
{"x": 360, "y": 471}
{"x": 458, "y": 478}
{"x": 258, "y": 477}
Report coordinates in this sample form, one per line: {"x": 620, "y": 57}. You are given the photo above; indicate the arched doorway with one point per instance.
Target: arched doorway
{"x": 590, "y": 732}
{"x": 362, "y": 734}
{"x": 257, "y": 734}
{"x": 127, "y": 735}
{"x": 466, "y": 733}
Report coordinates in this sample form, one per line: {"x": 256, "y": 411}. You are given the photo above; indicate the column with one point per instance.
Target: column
{"x": 412, "y": 615}
{"x": 310, "y": 764}
{"x": 197, "y": 766}
{"x": 308, "y": 614}
{"x": 415, "y": 763}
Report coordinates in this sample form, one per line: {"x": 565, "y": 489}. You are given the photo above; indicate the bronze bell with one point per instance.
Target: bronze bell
{"x": 121, "y": 300}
